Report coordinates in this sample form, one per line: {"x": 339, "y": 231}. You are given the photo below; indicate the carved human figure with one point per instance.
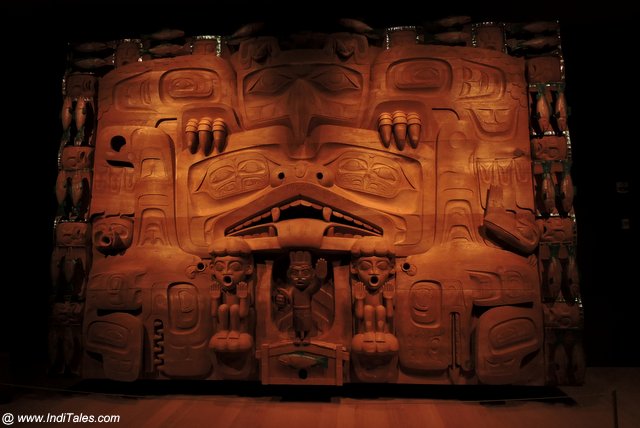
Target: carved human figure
{"x": 232, "y": 264}
{"x": 373, "y": 285}
{"x": 303, "y": 282}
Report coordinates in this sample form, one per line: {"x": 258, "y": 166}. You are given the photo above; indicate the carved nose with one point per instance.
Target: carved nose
{"x": 302, "y": 104}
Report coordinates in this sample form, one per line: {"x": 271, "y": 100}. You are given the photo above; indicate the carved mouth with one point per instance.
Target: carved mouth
{"x": 339, "y": 224}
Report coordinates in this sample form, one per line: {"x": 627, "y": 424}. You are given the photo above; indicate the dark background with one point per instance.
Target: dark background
{"x": 599, "y": 44}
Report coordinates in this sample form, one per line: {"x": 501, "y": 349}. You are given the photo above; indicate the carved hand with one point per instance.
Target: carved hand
{"x": 215, "y": 290}
{"x": 400, "y": 127}
{"x": 359, "y": 291}
{"x": 388, "y": 290}
{"x": 281, "y": 299}
{"x": 321, "y": 268}
{"x": 205, "y": 135}
{"x": 242, "y": 290}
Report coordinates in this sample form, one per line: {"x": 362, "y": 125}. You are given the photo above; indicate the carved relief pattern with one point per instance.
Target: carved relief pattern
{"x": 320, "y": 209}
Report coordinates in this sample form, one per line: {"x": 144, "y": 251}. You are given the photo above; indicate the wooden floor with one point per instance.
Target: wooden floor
{"x": 201, "y": 404}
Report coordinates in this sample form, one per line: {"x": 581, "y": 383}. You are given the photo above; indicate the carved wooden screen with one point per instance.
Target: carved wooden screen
{"x": 319, "y": 209}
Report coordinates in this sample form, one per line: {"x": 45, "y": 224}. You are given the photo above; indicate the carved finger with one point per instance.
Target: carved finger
{"x": 384, "y": 128}
{"x": 205, "y": 136}
{"x": 415, "y": 126}
{"x": 219, "y": 134}
{"x": 321, "y": 268}
{"x": 400, "y": 128}
{"x": 191, "y": 135}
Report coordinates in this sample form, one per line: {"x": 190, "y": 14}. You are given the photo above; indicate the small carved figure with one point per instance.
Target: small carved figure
{"x": 373, "y": 265}
{"x": 304, "y": 282}
{"x": 232, "y": 264}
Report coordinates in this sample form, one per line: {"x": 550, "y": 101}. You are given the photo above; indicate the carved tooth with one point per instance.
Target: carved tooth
{"x": 348, "y": 218}
{"x": 316, "y": 206}
{"x": 331, "y": 231}
{"x": 338, "y": 214}
{"x": 305, "y": 203}
{"x": 295, "y": 203}
{"x": 256, "y": 219}
{"x": 266, "y": 214}
{"x": 326, "y": 213}
{"x": 366, "y": 226}
{"x": 275, "y": 214}
{"x": 358, "y": 222}
{"x": 285, "y": 207}
{"x": 272, "y": 231}
{"x": 247, "y": 223}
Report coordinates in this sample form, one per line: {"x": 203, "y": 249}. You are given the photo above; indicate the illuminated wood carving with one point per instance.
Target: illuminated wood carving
{"x": 323, "y": 209}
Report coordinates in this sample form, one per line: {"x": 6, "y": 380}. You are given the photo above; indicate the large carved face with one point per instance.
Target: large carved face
{"x": 373, "y": 271}
{"x": 230, "y": 270}
{"x": 300, "y": 275}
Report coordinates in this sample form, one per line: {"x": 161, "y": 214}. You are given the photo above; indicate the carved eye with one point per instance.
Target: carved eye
{"x": 364, "y": 265}
{"x": 486, "y": 115}
{"x": 502, "y": 115}
{"x": 385, "y": 172}
{"x": 251, "y": 167}
{"x": 235, "y": 266}
{"x": 219, "y": 266}
{"x": 353, "y": 165}
{"x": 182, "y": 84}
{"x": 268, "y": 83}
{"x": 120, "y": 229}
{"x": 228, "y": 188}
{"x": 422, "y": 298}
{"x": 336, "y": 80}
{"x": 383, "y": 265}
{"x": 221, "y": 174}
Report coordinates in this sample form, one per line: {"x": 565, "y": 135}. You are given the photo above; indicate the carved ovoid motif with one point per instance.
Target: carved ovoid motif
{"x": 321, "y": 208}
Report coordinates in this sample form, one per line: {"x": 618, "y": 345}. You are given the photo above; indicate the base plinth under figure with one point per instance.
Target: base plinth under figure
{"x": 232, "y": 264}
{"x": 373, "y": 290}
{"x": 303, "y": 282}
